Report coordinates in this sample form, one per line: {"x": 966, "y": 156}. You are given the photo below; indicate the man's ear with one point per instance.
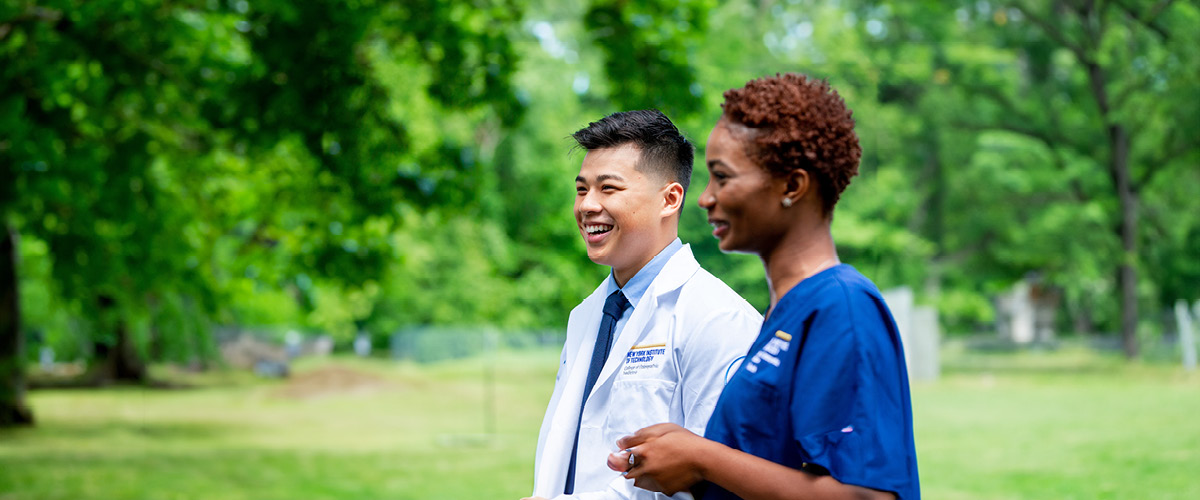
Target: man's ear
{"x": 672, "y": 199}
{"x": 798, "y": 184}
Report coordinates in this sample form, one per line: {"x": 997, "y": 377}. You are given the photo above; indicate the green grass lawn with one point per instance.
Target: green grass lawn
{"x": 1068, "y": 424}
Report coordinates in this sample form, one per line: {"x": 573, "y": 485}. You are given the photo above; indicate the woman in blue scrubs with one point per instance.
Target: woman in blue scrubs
{"x": 820, "y": 407}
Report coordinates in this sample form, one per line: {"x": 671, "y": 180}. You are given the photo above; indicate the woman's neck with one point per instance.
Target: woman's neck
{"x": 799, "y": 255}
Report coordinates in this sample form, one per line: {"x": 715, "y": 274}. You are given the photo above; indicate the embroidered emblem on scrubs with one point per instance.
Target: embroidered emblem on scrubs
{"x": 770, "y": 351}
{"x": 643, "y": 357}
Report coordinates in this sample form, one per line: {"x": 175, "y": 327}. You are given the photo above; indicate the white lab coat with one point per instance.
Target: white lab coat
{"x": 668, "y": 364}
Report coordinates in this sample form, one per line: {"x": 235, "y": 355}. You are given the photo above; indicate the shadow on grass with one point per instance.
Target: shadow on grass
{"x": 999, "y": 357}
{"x": 109, "y": 429}
{"x": 41, "y": 381}
{"x": 1005, "y": 368}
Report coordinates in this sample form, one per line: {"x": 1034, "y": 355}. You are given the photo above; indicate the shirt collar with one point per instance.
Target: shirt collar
{"x": 640, "y": 282}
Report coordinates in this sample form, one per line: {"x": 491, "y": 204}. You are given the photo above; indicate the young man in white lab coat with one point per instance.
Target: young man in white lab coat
{"x": 673, "y": 332}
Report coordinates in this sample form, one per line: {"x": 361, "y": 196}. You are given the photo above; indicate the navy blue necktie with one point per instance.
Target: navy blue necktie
{"x": 614, "y": 306}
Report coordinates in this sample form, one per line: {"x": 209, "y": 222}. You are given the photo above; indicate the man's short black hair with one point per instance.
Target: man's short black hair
{"x": 665, "y": 151}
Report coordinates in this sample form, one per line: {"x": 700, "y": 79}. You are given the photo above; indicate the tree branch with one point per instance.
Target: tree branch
{"x": 962, "y": 254}
{"x": 1097, "y": 22}
{"x": 1054, "y": 33}
{"x": 101, "y": 44}
{"x": 1051, "y": 143}
{"x": 1148, "y": 19}
{"x": 1021, "y": 121}
{"x": 1157, "y": 164}
{"x": 1139, "y": 85}
{"x": 32, "y": 13}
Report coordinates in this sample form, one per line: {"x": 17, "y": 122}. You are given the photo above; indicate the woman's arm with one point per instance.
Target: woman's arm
{"x": 669, "y": 458}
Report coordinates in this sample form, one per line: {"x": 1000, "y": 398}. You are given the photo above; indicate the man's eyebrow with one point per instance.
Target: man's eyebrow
{"x": 601, "y": 178}
{"x": 713, "y": 163}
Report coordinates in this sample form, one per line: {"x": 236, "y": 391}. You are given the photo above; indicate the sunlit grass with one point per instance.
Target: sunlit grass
{"x": 396, "y": 431}
{"x": 1064, "y": 424}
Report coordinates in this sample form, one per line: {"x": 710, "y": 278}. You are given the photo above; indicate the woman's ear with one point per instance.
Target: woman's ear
{"x": 797, "y": 185}
{"x": 672, "y": 199}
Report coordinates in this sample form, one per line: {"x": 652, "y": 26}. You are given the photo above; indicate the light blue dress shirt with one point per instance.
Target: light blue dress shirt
{"x": 637, "y": 285}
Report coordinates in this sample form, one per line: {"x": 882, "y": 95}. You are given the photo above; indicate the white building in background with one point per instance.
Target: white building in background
{"x": 919, "y": 332}
{"x": 1026, "y": 313}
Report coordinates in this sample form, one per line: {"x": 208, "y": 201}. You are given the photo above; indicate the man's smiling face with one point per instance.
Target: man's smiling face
{"x": 618, "y": 209}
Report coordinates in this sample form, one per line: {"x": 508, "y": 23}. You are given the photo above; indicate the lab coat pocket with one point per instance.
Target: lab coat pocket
{"x": 638, "y": 403}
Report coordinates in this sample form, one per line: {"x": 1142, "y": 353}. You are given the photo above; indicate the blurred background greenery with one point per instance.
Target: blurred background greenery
{"x": 170, "y": 171}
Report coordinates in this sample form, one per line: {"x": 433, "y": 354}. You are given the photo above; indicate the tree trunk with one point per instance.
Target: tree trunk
{"x": 937, "y": 194}
{"x": 154, "y": 348}
{"x": 118, "y": 362}
{"x": 13, "y": 410}
{"x": 1128, "y": 228}
{"x": 1081, "y": 319}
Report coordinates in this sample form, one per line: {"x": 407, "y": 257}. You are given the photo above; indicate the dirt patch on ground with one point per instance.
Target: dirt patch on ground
{"x": 329, "y": 381}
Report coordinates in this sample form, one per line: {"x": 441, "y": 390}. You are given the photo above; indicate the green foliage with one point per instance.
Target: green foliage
{"x": 371, "y": 166}
{"x": 178, "y": 159}
{"x": 648, "y": 49}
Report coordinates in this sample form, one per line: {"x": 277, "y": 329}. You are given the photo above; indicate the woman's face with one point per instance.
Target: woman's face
{"x": 743, "y": 200}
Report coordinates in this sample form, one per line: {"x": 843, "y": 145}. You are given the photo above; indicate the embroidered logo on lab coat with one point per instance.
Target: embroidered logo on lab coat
{"x": 770, "y": 351}
{"x": 641, "y": 358}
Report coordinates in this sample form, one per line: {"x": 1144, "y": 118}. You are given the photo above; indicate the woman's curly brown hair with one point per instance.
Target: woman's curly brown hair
{"x": 798, "y": 122}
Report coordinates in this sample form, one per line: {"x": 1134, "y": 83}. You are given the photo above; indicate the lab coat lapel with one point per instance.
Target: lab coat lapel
{"x": 564, "y": 405}
{"x": 678, "y": 271}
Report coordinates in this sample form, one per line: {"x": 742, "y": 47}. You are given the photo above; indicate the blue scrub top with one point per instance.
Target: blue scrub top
{"x": 824, "y": 389}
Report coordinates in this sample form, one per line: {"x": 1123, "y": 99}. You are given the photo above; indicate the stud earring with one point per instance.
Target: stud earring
{"x": 787, "y": 202}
